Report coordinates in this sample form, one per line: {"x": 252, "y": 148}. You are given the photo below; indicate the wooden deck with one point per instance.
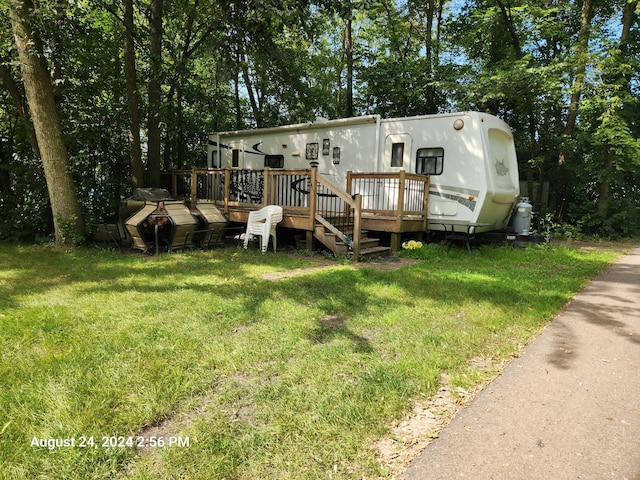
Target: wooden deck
{"x": 395, "y": 203}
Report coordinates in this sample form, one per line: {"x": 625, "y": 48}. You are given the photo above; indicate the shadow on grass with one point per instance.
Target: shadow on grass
{"x": 230, "y": 277}
{"x": 229, "y": 274}
{"x": 330, "y": 327}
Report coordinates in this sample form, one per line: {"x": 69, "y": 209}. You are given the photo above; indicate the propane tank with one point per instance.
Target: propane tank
{"x": 522, "y": 217}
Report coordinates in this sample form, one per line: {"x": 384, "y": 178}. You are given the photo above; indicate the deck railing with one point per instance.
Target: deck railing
{"x": 292, "y": 189}
{"x": 394, "y": 196}
{"x": 398, "y": 194}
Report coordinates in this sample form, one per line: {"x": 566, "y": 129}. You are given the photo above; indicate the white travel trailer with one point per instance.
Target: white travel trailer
{"x": 470, "y": 157}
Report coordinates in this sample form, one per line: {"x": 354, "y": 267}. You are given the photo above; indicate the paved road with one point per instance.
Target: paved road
{"x": 568, "y": 408}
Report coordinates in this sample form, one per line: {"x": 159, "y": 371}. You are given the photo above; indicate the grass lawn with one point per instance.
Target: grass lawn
{"x": 219, "y": 372}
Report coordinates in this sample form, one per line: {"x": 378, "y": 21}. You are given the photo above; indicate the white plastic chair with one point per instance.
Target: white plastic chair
{"x": 262, "y": 223}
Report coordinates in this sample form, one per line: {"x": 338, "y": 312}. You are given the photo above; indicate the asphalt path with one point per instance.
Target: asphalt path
{"x": 567, "y": 408}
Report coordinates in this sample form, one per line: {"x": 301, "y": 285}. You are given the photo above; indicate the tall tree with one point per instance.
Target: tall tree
{"x": 268, "y": 53}
{"x": 17, "y": 97}
{"x": 289, "y": 60}
{"x": 188, "y": 28}
{"x": 613, "y": 130}
{"x": 154, "y": 137}
{"x": 68, "y": 220}
{"x": 528, "y": 95}
{"x": 347, "y": 11}
{"x": 133, "y": 96}
{"x": 347, "y": 15}
{"x": 581, "y": 60}
{"x": 434, "y": 12}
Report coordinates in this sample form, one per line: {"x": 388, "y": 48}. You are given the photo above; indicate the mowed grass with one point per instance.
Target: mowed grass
{"x": 231, "y": 375}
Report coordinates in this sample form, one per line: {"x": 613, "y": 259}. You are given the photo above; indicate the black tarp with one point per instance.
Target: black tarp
{"x": 151, "y": 195}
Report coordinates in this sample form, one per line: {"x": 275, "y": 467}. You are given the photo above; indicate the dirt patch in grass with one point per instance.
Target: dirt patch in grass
{"x": 409, "y": 436}
{"x": 333, "y": 321}
{"x": 388, "y": 263}
{"x": 383, "y": 263}
{"x": 593, "y": 245}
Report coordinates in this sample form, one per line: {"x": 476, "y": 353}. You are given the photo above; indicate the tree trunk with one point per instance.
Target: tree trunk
{"x": 348, "y": 46}
{"x": 243, "y": 65}
{"x": 604, "y": 189}
{"x": 236, "y": 97}
{"x": 6, "y": 188}
{"x": 582, "y": 54}
{"x": 17, "y": 96}
{"x": 236, "y": 86}
{"x": 179, "y": 132}
{"x": 508, "y": 18}
{"x": 57, "y": 52}
{"x": 170, "y": 110}
{"x": 434, "y": 15}
{"x": 528, "y": 100}
{"x": 155, "y": 95}
{"x": 628, "y": 19}
{"x": 69, "y": 224}
{"x": 135, "y": 154}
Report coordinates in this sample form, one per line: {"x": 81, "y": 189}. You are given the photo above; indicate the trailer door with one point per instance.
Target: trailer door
{"x": 237, "y": 155}
{"x": 397, "y": 156}
{"x": 397, "y": 152}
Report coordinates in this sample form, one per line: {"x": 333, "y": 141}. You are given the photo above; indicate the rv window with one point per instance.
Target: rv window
{"x": 336, "y": 155}
{"x": 274, "y": 161}
{"x": 235, "y": 157}
{"x": 326, "y": 144}
{"x": 214, "y": 159}
{"x": 430, "y": 161}
{"x": 397, "y": 153}
{"x": 312, "y": 151}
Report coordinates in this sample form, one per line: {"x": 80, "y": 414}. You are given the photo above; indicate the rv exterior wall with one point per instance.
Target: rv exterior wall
{"x": 476, "y": 184}
{"x": 503, "y": 186}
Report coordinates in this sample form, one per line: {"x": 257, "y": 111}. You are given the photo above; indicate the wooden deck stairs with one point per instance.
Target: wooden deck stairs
{"x": 341, "y": 243}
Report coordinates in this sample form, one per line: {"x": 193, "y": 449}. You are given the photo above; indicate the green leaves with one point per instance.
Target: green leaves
{"x": 233, "y": 64}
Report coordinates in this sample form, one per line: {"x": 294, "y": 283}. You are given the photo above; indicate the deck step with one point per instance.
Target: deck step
{"x": 375, "y": 252}
{"x": 348, "y": 230}
{"x": 369, "y": 247}
{"x": 364, "y": 242}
